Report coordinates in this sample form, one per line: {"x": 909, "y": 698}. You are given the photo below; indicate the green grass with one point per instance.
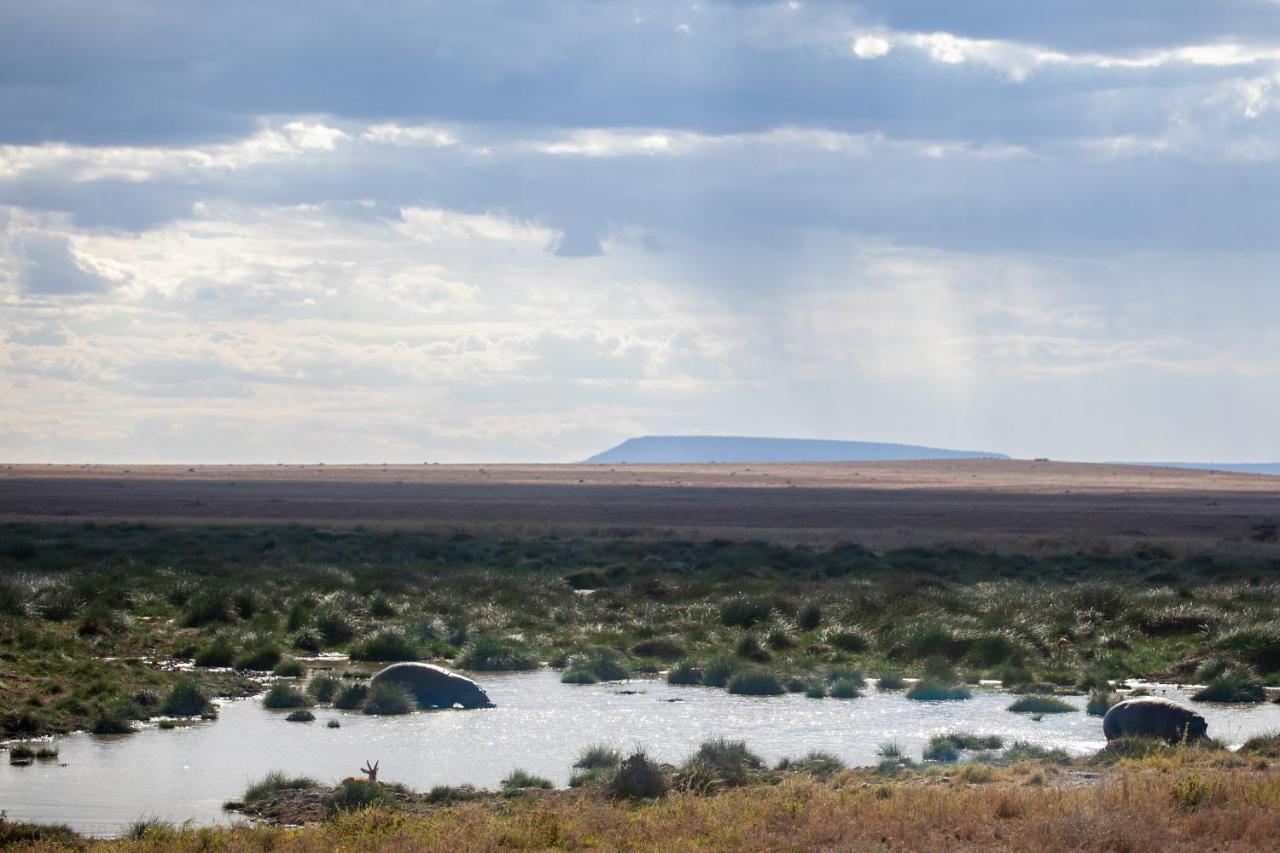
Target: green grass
{"x": 1100, "y": 701}
{"x": 846, "y": 688}
{"x": 350, "y": 697}
{"x": 489, "y": 654}
{"x": 947, "y": 747}
{"x": 816, "y": 763}
{"x": 274, "y": 783}
{"x": 638, "y": 778}
{"x": 322, "y": 688}
{"x": 684, "y": 674}
{"x": 519, "y": 780}
{"x": 598, "y": 757}
{"x": 719, "y": 763}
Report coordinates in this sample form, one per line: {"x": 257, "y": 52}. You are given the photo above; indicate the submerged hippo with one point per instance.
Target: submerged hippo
{"x": 1148, "y": 716}
{"x": 434, "y": 686}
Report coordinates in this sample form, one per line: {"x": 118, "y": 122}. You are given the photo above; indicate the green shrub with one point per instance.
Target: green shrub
{"x": 519, "y": 780}
{"x": 742, "y": 612}
{"x": 1100, "y": 701}
{"x": 150, "y": 829}
{"x": 684, "y": 674}
{"x": 333, "y": 724}
{"x": 929, "y": 690}
{"x": 1266, "y": 745}
{"x": 334, "y": 628}
{"x": 322, "y": 688}
{"x": 386, "y": 699}
{"x": 261, "y": 657}
{"x": 889, "y": 749}
{"x": 448, "y": 794}
{"x": 810, "y": 617}
{"x": 1022, "y": 750}
{"x": 598, "y": 757}
{"x": 1038, "y": 704}
{"x": 17, "y": 833}
{"x": 290, "y": 668}
{"x": 845, "y": 688}
{"x": 756, "y": 683}
{"x": 578, "y": 676}
{"x": 350, "y": 697}
{"x": 186, "y": 699}
{"x": 749, "y": 647}
{"x": 819, "y": 764}
{"x": 1257, "y": 644}
{"x": 208, "y": 608}
{"x": 817, "y": 690}
{"x": 114, "y": 720}
{"x": 719, "y": 763}
{"x": 638, "y": 778}
{"x": 1238, "y": 684}
{"x": 849, "y": 640}
{"x": 356, "y": 794}
{"x": 719, "y": 671}
{"x": 889, "y": 680}
{"x": 602, "y": 664}
{"x": 947, "y": 747}
{"x": 386, "y": 645}
{"x": 489, "y": 654}
{"x": 283, "y": 695}
{"x": 662, "y": 649}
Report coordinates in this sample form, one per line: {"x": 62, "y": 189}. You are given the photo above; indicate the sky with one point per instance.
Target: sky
{"x": 407, "y": 231}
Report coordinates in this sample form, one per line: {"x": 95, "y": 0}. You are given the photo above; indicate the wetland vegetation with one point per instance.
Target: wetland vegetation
{"x": 106, "y": 624}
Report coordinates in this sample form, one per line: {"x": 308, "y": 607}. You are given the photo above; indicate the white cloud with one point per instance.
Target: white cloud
{"x": 871, "y": 47}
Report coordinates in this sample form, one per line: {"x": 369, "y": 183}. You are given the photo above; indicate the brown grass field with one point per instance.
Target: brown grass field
{"x": 998, "y": 504}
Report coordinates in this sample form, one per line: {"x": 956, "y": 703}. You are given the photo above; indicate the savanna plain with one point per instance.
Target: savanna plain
{"x": 148, "y": 597}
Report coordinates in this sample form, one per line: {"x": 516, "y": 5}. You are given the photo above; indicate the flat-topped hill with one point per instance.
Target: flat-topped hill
{"x": 694, "y": 449}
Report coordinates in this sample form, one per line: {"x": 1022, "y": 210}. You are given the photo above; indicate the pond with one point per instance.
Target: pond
{"x": 100, "y": 784}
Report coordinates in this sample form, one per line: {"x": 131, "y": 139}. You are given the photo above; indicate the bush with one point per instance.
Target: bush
{"x": 282, "y": 695}
{"x": 578, "y": 676}
{"x": 115, "y": 720}
{"x": 947, "y": 747}
{"x": 290, "y": 668}
{"x": 598, "y": 757}
{"x": 817, "y": 690}
{"x": 741, "y": 612}
{"x": 602, "y": 664}
{"x": 637, "y": 778}
{"x": 386, "y": 645}
{"x": 1038, "y": 704}
{"x": 356, "y": 794}
{"x": 54, "y": 835}
{"x": 488, "y": 654}
{"x": 1238, "y": 684}
{"x": 519, "y": 780}
{"x": 810, "y": 617}
{"x": 889, "y": 680}
{"x": 1100, "y": 701}
{"x": 386, "y": 699}
{"x": 186, "y": 699}
{"x": 684, "y": 674}
{"x": 322, "y": 687}
{"x": 718, "y": 672}
{"x": 819, "y": 764}
{"x": 845, "y": 688}
{"x": 719, "y": 763}
{"x": 261, "y": 657}
{"x": 849, "y": 640}
{"x": 756, "y": 683}
{"x": 1267, "y": 745}
{"x": 218, "y": 653}
{"x": 749, "y": 647}
{"x": 1022, "y": 750}
{"x": 1257, "y": 644}
{"x": 350, "y": 697}
{"x": 208, "y": 608}
{"x": 663, "y": 649}
{"x": 930, "y": 690}
{"x": 334, "y": 628}
{"x": 301, "y": 716}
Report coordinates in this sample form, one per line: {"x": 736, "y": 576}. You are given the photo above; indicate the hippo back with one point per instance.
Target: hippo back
{"x": 1149, "y": 716}
{"x": 434, "y": 686}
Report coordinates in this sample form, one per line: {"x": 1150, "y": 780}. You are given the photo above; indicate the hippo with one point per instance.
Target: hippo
{"x": 434, "y": 686}
{"x": 1148, "y": 716}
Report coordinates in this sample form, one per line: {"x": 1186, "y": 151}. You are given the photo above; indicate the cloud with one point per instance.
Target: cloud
{"x": 47, "y": 265}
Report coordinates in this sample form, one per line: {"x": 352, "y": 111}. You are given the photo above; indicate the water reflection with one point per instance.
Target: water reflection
{"x": 101, "y": 784}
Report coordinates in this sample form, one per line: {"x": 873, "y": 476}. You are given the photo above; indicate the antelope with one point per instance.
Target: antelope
{"x": 370, "y": 770}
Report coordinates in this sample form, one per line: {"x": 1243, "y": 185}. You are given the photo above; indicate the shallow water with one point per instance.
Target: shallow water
{"x": 100, "y": 784}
